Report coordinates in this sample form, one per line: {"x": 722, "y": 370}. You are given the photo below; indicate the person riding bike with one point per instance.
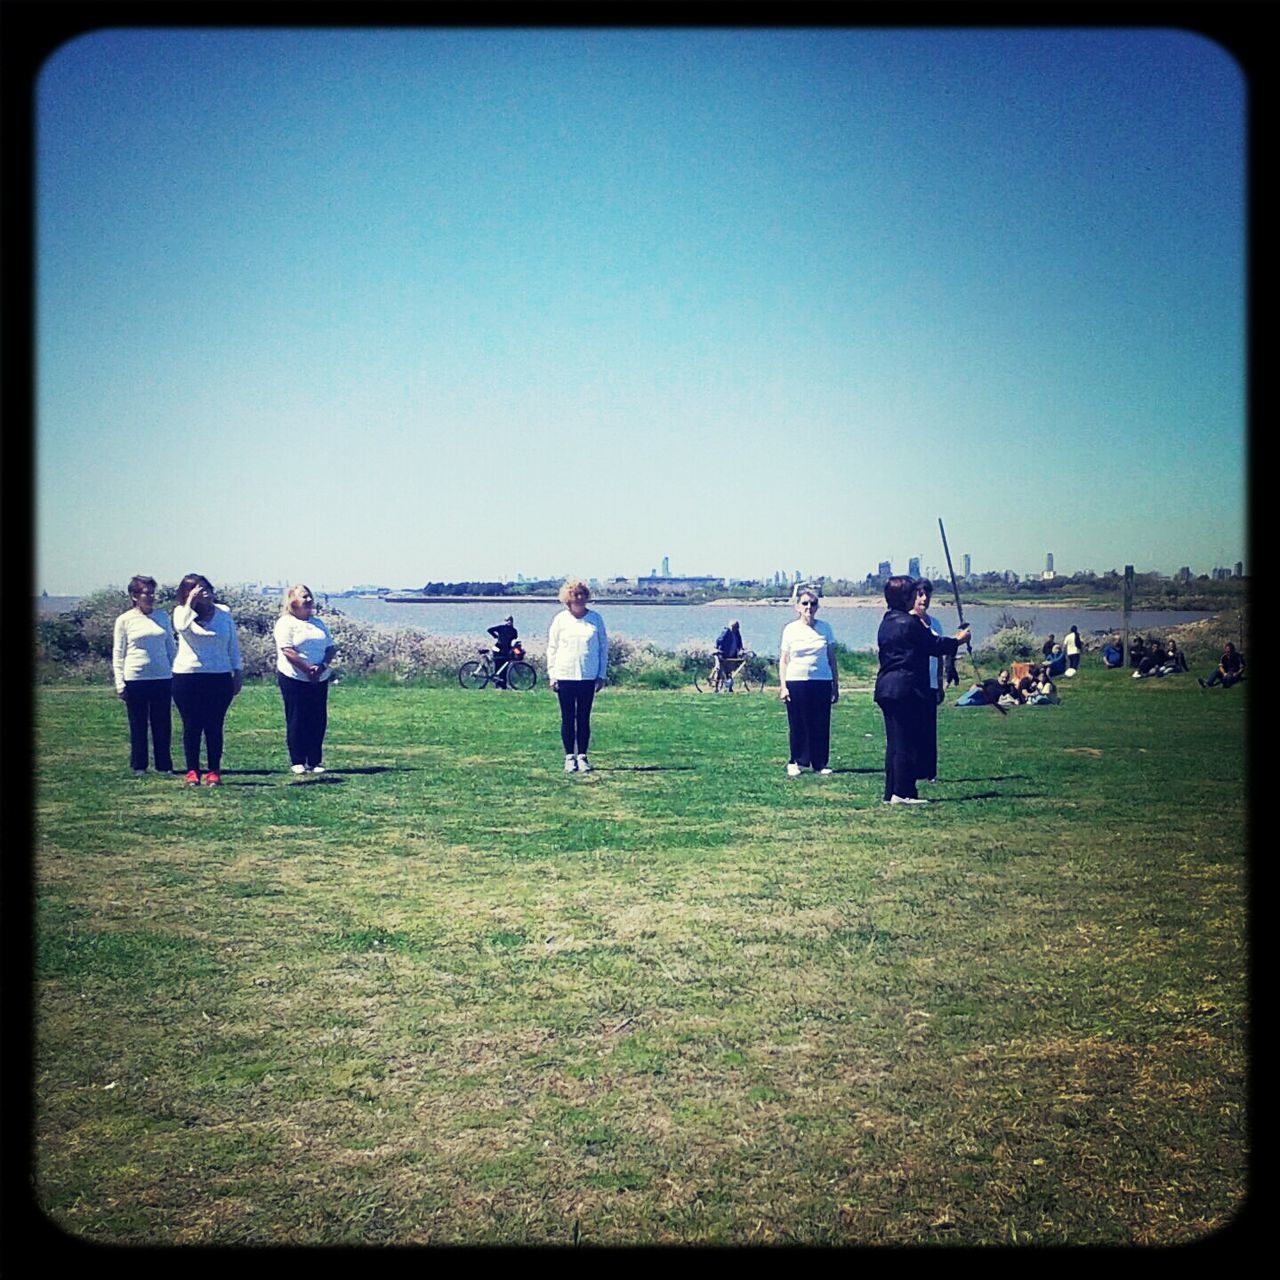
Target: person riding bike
{"x": 729, "y": 648}
{"x": 504, "y": 638}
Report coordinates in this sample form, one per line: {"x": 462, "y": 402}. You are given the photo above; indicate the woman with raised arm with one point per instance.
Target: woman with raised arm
{"x": 304, "y": 658}
{"x": 901, "y": 685}
{"x": 207, "y": 674}
{"x": 577, "y": 660}
{"x": 809, "y": 684}
{"x": 142, "y": 662}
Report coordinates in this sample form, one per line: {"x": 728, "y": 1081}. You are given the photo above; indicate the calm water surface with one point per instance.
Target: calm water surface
{"x": 670, "y": 625}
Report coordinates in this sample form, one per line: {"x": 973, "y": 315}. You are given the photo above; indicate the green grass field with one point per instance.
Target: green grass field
{"x": 448, "y": 994}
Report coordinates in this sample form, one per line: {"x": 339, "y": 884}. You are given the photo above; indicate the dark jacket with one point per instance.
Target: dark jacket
{"x": 504, "y": 637}
{"x": 905, "y": 650}
{"x": 729, "y": 643}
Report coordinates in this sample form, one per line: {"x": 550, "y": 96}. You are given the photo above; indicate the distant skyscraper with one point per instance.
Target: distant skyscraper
{"x": 913, "y": 567}
{"x": 666, "y": 567}
{"x": 885, "y": 570}
{"x": 1239, "y": 568}
{"x": 1048, "y": 563}
{"x": 796, "y": 576}
{"x": 967, "y": 569}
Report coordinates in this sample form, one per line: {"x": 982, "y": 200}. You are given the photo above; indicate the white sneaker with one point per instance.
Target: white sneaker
{"x": 571, "y": 764}
{"x": 297, "y": 768}
{"x": 317, "y": 768}
{"x": 584, "y": 765}
{"x": 906, "y": 800}
{"x": 825, "y": 772}
{"x": 793, "y": 771}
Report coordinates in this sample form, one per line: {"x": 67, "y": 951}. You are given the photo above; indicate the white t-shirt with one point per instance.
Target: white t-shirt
{"x": 805, "y": 649}
{"x": 205, "y": 648}
{"x": 1071, "y": 643}
{"x": 143, "y": 647}
{"x": 936, "y": 627}
{"x": 310, "y": 638}
{"x": 577, "y": 648}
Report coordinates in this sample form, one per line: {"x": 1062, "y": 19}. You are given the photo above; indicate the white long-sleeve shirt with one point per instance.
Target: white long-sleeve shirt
{"x": 143, "y": 647}
{"x": 577, "y": 648}
{"x": 207, "y": 648}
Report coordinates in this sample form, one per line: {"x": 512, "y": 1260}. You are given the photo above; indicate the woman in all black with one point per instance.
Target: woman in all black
{"x": 902, "y": 686}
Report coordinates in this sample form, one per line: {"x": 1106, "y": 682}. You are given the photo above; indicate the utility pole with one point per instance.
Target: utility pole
{"x": 1128, "y": 607}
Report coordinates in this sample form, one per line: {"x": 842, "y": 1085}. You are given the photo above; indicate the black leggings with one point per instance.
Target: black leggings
{"x": 809, "y": 722}
{"x": 575, "y": 697}
{"x": 148, "y": 703}
{"x": 203, "y": 699}
{"x": 306, "y": 716}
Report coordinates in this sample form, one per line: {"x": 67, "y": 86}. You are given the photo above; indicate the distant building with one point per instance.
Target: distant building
{"x": 666, "y": 567}
{"x": 885, "y": 570}
{"x": 667, "y": 585}
{"x": 1048, "y": 565}
{"x": 968, "y": 568}
{"x": 1239, "y": 573}
{"x": 913, "y": 567}
{"x": 1184, "y": 574}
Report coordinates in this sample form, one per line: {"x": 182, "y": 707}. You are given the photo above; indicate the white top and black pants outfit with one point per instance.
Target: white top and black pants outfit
{"x": 306, "y": 701}
{"x": 577, "y": 656}
{"x": 142, "y": 662}
{"x": 809, "y": 680}
{"x": 208, "y": 652}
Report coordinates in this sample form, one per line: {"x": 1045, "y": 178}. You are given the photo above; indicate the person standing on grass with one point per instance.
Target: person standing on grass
{"x": 809, "y": 684}
{"x": 142, "y": 655}
{"x": 304, "y": 658}
{"x": 207, "y": 674}
{"x": 934, "y": 691}
{"x": 577, "y": 661}
{"x": 1072, "y": 647}
{"x": 901, "y": 685}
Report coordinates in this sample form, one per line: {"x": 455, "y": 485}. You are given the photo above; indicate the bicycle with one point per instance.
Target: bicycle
{"x": 518, "y": 675}
{"x": 724, "y": 675}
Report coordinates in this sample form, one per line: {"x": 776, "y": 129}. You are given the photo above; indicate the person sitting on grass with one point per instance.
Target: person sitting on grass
{"x": 1007, "y": 691}
{"x": 1044, "y": 692}
{"x": 1174, "y": 661}
{"x": 1230, "y": 669}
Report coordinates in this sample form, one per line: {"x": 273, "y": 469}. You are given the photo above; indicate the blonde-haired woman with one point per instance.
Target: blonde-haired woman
{"x": 304, "y": 657}
{"x": 577, "y": 660}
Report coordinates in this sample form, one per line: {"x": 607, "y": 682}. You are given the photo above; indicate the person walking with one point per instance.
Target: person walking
{"x": 577, "y": 662}
{"x": 304, "y": 667}
{"x": 809, "y": 684}
{"x": 207, "y": 674}
{"x": 142, "y": 655}
{"x": 905, "y": 648}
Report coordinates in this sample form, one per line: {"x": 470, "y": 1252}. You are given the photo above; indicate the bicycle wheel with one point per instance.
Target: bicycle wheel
{"x": 702, "y": 680}
{"x": 472, "y": 675}
{"x": 753, "y": 675}
{"x": 521, "y": 676}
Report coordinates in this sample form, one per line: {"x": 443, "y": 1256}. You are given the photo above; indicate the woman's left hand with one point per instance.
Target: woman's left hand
{"x": 835, "y": 695}
{"x": 599, "y": 684}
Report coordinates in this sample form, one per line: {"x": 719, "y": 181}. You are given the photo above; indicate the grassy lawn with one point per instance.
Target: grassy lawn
{"x": 448, "y": 994}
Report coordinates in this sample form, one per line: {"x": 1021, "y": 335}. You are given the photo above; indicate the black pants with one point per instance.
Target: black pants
{"x": 500, "y": 676}
{"x": 306, "y": 717}
{"x": 203, "y": 699}
{"x": 809, "y": 722}
{"x": 575, "y": 697}
{"x": 903, "y": 733}
{"x": 148, "y": 703}
{"x": 927, "y": 746}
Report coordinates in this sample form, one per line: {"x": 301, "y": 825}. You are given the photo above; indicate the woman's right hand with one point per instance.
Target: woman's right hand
{"x": 784, "y": 694}
{"x": 555, "y": 686}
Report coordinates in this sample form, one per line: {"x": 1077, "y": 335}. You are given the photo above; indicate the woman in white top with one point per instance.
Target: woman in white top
{"x": 206, "y": 673}
{"x": 304, "y": 654}
{"x": 809, "y": 683}
{"x": 577, "y": 659}
{"x": 926, "y": 760}
{"x": 142, "y": 661}
{"x": 1072, "y": 646}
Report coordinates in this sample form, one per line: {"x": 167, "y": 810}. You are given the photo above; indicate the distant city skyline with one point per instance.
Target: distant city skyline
{"x": 324, "y": 305}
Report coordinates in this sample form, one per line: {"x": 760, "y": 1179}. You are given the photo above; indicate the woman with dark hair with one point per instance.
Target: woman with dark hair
{"x": 206, "y": 674}
{"x": 809, "y": 683}
{"x": 934, "y": 691}
{"x": 142, "y": 662}
{"x": 902, "y": 684}
{"x": 304, "y": 658}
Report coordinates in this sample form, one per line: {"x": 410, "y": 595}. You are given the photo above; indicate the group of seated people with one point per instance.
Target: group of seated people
{"x": 1151, "y": 658}
{"x": 1035, "y": 688}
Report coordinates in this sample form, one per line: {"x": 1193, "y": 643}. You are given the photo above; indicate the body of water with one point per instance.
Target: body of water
{"x": 667, "y": 626}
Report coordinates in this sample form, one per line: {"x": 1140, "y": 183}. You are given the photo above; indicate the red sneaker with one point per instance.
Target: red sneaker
{"x": 192, "y": 779}
{"x": 212, "y": 779}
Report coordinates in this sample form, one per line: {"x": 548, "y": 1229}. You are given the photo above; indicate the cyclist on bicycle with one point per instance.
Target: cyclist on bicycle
{"x": 729, "y": 649}
{"x": 504, "y": 637}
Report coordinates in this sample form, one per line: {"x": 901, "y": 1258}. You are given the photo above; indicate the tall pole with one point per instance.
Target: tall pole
{"x": 955, "y": 587}
{"x": 1128, "y": 608}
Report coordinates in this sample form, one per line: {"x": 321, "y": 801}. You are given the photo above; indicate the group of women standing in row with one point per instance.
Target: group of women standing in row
{"x": 196, "y": 658}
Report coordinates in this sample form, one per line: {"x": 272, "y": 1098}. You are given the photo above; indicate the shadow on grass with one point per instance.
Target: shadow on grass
{"x": 644, "y": 768}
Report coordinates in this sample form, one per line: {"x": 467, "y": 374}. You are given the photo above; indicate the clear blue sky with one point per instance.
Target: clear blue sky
{"x": 393, "y": 306}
